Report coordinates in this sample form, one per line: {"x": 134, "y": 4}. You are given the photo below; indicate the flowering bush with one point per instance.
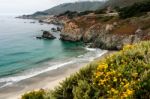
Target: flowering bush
{"x": 120, "y": 76}
{"x": 124, "y": 75}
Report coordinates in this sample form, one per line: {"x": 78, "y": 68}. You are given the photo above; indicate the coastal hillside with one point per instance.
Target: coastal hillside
{"x": 80, "y": 7}
{"x": 110, "y": 29}
{"x": 123, "y": 75}
{"x": 77, "y": 6}
{"x": 120, "y": 3}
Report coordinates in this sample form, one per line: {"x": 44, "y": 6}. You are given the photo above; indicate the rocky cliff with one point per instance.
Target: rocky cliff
{"x": 106, "y": 32}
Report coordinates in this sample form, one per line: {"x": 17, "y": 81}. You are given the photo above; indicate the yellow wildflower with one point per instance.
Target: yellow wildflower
{"x": 114, "y": 91}
{"x": 102, "y": 82}
{"x": 126, "y": 47}
{"x": 108, "y": 73}
{"x": 129, "y": 92}
{"x": 102, "y": 66}
{"x": 98, "y": 74}
{"x": 115, "y": 79}
{"x": 127, "y": 85}
{"x": 125, "y": 95}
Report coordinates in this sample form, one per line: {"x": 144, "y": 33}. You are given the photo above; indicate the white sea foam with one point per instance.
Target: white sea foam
{"x": 11, "y": 80}
{"x": 90, "y": 49}
{"x": 90, "y": 56}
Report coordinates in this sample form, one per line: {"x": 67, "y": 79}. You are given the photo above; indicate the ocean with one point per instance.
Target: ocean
{"x": 22, "y": 56}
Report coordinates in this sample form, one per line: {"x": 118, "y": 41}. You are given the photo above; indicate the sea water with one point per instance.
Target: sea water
{"x": 23, "y": 56}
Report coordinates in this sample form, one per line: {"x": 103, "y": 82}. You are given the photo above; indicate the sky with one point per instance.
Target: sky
{"x": 29, "y": 6}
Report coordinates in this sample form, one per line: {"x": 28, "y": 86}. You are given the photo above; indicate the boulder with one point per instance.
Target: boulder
{"x": 59, "y": 29}
{"x": 40, "y": 21}
{"x": 46, "y": 35}
{"x": 139, "y": 32}
{"x": 54, "y": 29}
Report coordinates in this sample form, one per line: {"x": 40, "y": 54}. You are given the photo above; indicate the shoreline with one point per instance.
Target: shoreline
{"x": 48, "y": 80}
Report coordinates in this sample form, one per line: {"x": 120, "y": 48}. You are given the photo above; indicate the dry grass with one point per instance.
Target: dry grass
{"x": 125, "y": 30}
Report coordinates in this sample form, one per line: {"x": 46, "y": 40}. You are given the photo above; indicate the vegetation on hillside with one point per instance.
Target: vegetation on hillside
{"x": 77, "y": 6}
{"x": 121, "y": 3}
{"x": 123, "y": 75}
{"x": 136, "y": 9}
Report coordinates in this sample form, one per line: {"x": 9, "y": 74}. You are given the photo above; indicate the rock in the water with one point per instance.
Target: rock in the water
{"x": 54, "y": 29}
{"x": 59, "y": 29}
{"x": 46, "y": 35}
{"x": 40, "y": 21}
{"x": 38, "y": 37}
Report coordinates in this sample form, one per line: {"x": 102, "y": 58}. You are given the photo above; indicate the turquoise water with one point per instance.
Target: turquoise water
{"x": 23, "y": 56}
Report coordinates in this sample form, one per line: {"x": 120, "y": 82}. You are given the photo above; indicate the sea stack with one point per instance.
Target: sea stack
{"x": 46, "y": 35}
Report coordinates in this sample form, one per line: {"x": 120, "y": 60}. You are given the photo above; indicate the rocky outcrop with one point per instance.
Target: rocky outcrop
{"x": 104, "y": 36}
{"x": 57, "y": 29}
{"x": 46, "y": 35}
{"x": 92, "y": 33}
{"x": 71, "y": 32}
{"x": 114, "y": 42}
{"x": 50, "y": 20}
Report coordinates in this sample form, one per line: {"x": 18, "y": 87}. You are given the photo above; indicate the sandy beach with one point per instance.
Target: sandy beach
{"x": 48, "y": 80}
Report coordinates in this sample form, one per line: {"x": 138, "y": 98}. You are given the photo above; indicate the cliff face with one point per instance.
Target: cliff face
{"x": 106, "y": 32}
{"x": 72, "y": 32}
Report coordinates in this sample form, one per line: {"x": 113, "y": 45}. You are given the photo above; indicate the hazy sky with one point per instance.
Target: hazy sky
{"x": 28, "y": 6}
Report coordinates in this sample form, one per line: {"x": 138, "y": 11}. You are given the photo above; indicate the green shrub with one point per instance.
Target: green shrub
{"x": 83, "y": 90}
{"x": 100, "y": 11}
{"x": 69, "y": 14}
{"x": 84, "y": 13}
{"x": 34, "y": 95}
{"x": 136, "y": 9}
{"x": 68, "y": 88}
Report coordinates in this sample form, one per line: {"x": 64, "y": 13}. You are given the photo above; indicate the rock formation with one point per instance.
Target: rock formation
{"x": 71, "y": 32}
{"x": 46, "y": 35}
{"x": 105, "y": 34}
